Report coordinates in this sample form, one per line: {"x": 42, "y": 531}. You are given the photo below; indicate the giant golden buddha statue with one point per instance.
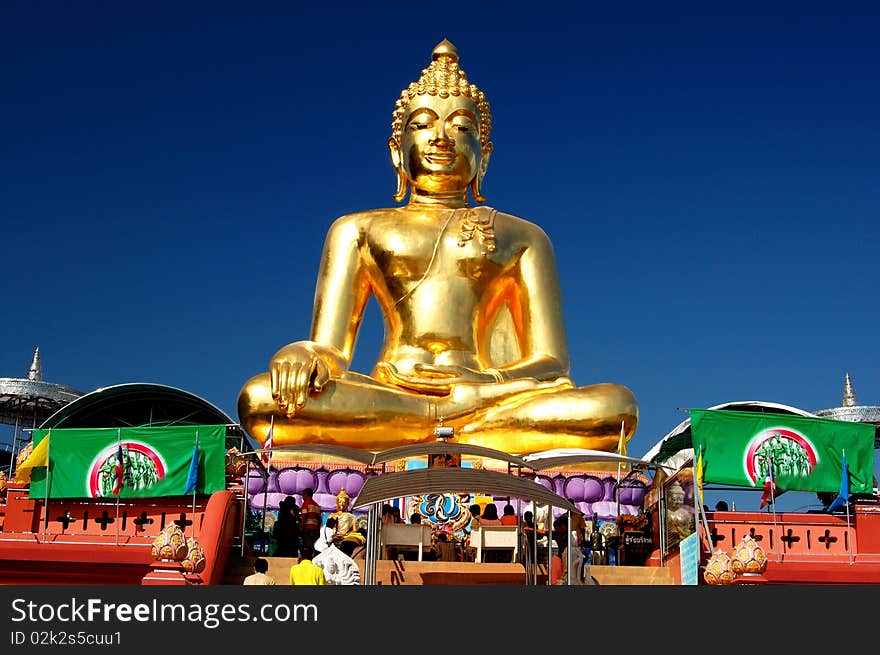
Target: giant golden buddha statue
{"x": 470, "y": 296}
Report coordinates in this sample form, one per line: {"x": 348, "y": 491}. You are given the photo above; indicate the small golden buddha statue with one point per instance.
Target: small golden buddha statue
{"x": 345, "y": 521}
{"x": 470, "y": 296}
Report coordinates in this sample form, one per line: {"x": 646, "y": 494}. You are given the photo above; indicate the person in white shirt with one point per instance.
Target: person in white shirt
{"x": 325, "y": 535}
{"x": 259, "y": 577}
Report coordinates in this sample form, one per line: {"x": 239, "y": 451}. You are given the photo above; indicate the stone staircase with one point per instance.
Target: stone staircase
{"x": 395, "y": 573}
{"x": 632, "y": 575}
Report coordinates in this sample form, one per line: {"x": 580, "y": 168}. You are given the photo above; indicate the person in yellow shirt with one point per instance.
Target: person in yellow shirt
{"x": 305, "y": 572}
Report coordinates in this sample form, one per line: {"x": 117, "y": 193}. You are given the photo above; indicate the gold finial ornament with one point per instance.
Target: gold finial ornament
{"x": 718, "y": 569}
{"x": 748, "y": 557}
{"x": 194, "y": 562}
{"x": 170, "y": 544}
{"x": 471, "y": 303}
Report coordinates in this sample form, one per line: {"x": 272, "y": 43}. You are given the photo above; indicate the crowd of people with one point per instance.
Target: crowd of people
{"x": 326, "y": 550}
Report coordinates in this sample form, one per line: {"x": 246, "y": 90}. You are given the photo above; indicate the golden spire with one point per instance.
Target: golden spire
{"x": 849, "y": 394}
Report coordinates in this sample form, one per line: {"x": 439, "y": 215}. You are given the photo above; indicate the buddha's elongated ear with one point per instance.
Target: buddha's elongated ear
{"x": 397, "y": 163}
{"x": 477, "y": 182}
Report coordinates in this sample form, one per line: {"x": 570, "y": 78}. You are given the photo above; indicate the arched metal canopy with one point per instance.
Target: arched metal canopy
{"x": 139, "y": 404}
{"x": 569, "y": 456}
{"x": 456, "y": 480}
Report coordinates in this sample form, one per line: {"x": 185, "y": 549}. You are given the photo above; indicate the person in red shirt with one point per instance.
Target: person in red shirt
{"x": 508, "y": 516}
{"x": 310, "y": 519}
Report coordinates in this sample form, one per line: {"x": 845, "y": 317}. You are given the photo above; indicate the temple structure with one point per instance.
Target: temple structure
{"x": 850, "y": 410}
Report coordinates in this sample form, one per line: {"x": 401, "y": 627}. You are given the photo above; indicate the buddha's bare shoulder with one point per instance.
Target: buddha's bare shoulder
{"x": 361, "y": 222}
{"x": 520, "y": 230}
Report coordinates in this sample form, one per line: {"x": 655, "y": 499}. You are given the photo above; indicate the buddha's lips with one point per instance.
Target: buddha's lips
{"x": 441, "y": 158}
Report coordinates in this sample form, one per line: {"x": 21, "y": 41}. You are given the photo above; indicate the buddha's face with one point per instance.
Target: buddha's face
{"x": 440, "y": 145}
{"x": 675, "y": 499}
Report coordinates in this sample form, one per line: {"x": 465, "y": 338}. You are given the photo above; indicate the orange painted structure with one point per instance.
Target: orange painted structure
{"x": 83, "y": 541}
{"x": 801, "y": 548}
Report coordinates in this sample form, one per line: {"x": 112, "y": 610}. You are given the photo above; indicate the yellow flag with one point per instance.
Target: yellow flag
{"x": 698, "y": 476}
{"x": 621, "y": 445}
{"x": 38, "y": 457}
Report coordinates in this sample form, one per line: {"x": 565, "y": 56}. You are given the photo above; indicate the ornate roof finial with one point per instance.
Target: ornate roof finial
{"x": 36, "y": 370}
{"x": 849, "y": 394}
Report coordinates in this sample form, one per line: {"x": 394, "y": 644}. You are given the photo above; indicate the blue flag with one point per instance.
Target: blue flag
{"x": 843, "y": 496}
{"x": 192, "y": 478}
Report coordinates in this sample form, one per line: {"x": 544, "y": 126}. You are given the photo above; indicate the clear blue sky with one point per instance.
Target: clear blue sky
{"x": 709, "y": 178}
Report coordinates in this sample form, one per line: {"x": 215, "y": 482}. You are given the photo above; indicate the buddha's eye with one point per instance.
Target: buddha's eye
{"x": 463, "y": 128}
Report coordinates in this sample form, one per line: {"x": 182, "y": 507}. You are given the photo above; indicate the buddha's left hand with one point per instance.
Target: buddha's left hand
{"x": 434, "y": 378}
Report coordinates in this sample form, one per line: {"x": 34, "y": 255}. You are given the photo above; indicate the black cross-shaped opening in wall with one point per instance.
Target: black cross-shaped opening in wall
{"x": 752, "y": 535}
{"x": 716, "y": 537}
{"x": 104, "y": 520}
{"x": 65, "y": 520}
{"x": 182, "y": 522}
{"x": 827, "y": 539}
{"x": 142, "y": 522}
{"x": 789, "y": 538}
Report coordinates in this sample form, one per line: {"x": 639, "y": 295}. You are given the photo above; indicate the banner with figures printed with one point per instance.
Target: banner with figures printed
{"x": 806, "y": 452}
{"x": 83, "y": 462}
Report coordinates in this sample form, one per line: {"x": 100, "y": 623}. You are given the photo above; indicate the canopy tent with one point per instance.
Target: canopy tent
{"x": 560, "y": 457}
{"x": 676, "y": 448}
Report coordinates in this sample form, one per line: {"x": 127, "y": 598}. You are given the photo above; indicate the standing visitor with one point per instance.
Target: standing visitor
{"x": 259, "y": 577}
{"x": 310, "y": 519}
{"x": 305, "y": 572}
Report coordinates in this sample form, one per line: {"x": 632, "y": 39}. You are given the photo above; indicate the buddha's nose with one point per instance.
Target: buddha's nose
{"x": 440, "y": 138}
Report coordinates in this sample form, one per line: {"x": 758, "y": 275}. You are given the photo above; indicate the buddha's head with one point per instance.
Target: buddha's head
{"x": 675, "y": 496}
{"x": 342, "y": 500}
{"x": 440, "y": 134}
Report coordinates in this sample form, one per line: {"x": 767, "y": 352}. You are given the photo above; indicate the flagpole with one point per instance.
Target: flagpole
{"x": 846, "y": 502}
{"x": 773, "y": 504}
{"x": 266, "y": 491}
{"x": 122, "y": 482}
{"x": 700, "y": 510}
{"x": 195, "y": 485}
{"x": 619, "y": 452}
{"x": 48, "y": 479}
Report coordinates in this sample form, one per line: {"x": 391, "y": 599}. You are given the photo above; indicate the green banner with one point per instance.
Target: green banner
{"x": 156, "y": 461}
{"x": 806, "y": 452}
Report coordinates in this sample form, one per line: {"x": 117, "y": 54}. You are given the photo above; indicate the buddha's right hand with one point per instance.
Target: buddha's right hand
{"x": 299, "y": 369}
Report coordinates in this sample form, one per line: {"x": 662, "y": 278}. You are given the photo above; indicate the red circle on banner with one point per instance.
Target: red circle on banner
{"x": 110, "y": 451}
{"x": 785, "y": 433}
